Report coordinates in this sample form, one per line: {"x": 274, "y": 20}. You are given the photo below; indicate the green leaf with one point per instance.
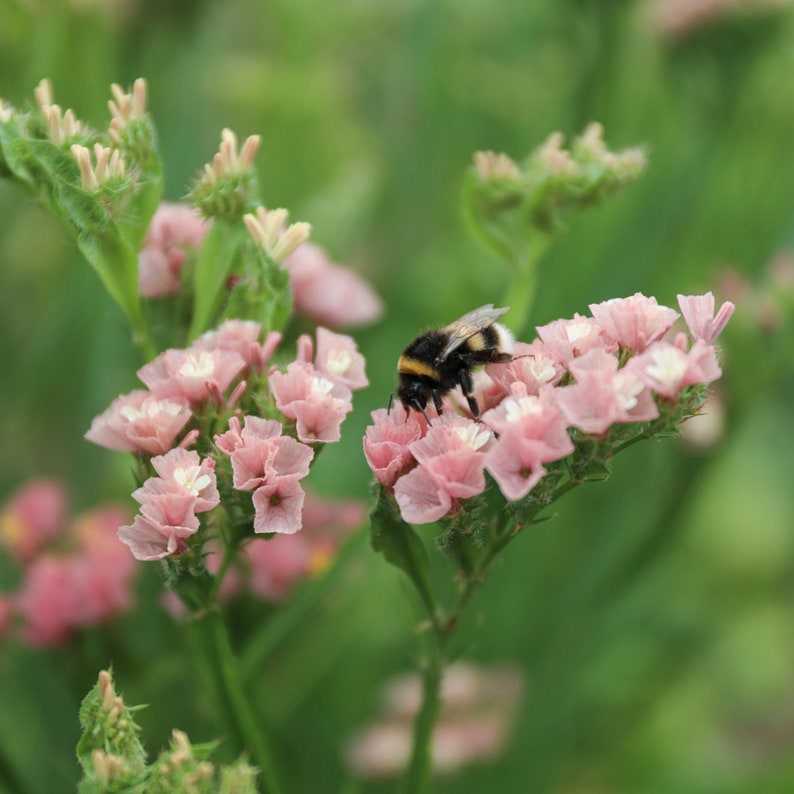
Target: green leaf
{"x": 401, "y": 547}
{"x": 218, "y": 252}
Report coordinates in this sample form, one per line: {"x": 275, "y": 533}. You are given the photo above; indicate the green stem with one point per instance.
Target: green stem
{"x": 520, "y": 294}
{"x": 418, "y": 776}
{"x": 241, "y": 723}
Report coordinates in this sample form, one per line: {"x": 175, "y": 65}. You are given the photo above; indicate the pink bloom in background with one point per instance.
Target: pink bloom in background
{"x": 634, "y": 322}
{"x": 140, "y": 422}
{"x": 182, "y": 472}
{"x": 387, "y": 440}
{"x": 698, "y": 312}
{"x": 603, "y": 395}
{"x": 174, "y": 229}
{"x": 241, "y": 337}
{"x": 451, "y": 466}
{"x": 34, "y": 515}
{"x": 193, "y": 374}
{"x": 329, "y": 293}
{"x": 164, "y": 523}
{"x": 83, "y": 578}
{"x": 532, "y": 431}
{"x": 478, "y": 709}
{"x": 568, "y": 339}
{"x": 277, "y": 565}
{"x": 666, "y": 369}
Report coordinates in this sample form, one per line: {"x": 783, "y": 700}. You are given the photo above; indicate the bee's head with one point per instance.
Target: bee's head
{"x": 414, "y": 393}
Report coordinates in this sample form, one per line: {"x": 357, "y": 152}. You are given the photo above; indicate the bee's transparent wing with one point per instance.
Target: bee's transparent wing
{"x": 468, "y": 325}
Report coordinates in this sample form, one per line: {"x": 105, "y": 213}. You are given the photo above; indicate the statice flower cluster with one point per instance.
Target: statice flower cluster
{"x": 73, "y": 572}
{"x": 256, "y": 429}
{"x": 584, "y": 385}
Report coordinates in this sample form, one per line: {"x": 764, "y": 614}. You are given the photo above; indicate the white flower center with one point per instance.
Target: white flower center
{"x": 669, "y": 366}
{"x": 628, "y": 388}
{"x": 198, "y": 365}
{"x": 321, "y": 385}
{"x": 576, "y": 331}
{"x": 150, "y": 409}
{"x": 472, "y": 436}
{"x": 192, "y": 479}
{"x": 542, "y": 369}
{"x": 516, "y": 408}
{"x": 339, "y": 361}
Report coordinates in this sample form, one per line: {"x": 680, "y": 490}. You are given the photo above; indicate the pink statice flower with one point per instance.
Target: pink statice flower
{"x": 174, "y": 230}
{"x": 329, "y": 293}
{"x": 535, "y": 365}
{"x": 182, "y": 472}
{"x": 193, "y": 374}
{"x": 162, "y": 527}
{"x": 387, "y": 442}
{"x": 532, "y": 431}
{"x": 140, "y": 422}
{"x": 32, "y": 517}
{"x": 317, "y": 404}
{"x": 278, "y": 506}
{"x": 270, "y": 464}
{"x": 451, "y": 458}
{"x": 260, "y": 454}
{"x": 603, "y": 395}
{"x": 568, "y": 339}
{"x": 241, "y": 337}
{"x": 698, "y": 312}
{"x": 338, "y": 360}
{"x": 635, "y": 322}
{"x": 667, "y": 369}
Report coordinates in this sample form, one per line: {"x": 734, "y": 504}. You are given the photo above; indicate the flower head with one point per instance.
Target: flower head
{"x": 635, "y": 322}
{"x": 140, "y": 422}
{"x": 269, "y": 229}
{"x": 698, "y": 311}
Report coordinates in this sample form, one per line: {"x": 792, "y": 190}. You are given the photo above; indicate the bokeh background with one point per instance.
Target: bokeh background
{"x": 654, "y": 616}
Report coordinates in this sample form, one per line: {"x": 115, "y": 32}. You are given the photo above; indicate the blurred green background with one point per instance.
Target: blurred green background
{"x": 654, "y": 617}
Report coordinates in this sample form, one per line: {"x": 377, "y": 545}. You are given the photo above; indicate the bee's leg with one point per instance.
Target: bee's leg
{"x": 437, "y": 401}
{"x": 467, "y": 385}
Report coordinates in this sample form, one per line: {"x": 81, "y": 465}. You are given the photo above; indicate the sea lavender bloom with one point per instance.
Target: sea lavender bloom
{"x": 532, "y": 431}
{"x": 387, "y": 442}
{"x": 182, "y": 472}
{"x": 338, "y": 359}
{"x": 329, "y": 293}
{"x": 162, "y": 527}
{"x": 635, "y": 322}
{"x": 192, "y": 374}
{"x": 698, "y": 311}
{"x": 278, "y": 506}
{"x": 241, "y": 337}
{"x": 174, "y": 230}
{"x": 603, "y": 395}
{"x": 316, "y": 404}
{"x": 140, "y": 422}
{"x": 451, "y": 459}
{"x": 567, "y": 339}
{"x": 667, "y": 369}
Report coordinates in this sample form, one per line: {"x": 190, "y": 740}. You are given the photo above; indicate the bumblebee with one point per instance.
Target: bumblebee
{"x": 438, "y": 360}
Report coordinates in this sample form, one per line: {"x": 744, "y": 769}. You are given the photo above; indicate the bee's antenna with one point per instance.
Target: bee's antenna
{"x": 391, "y": 400}
{"x": 422, "y": 411}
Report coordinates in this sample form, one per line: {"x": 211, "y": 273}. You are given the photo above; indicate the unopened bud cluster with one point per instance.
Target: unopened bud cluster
{"x": 113, "y": 758}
